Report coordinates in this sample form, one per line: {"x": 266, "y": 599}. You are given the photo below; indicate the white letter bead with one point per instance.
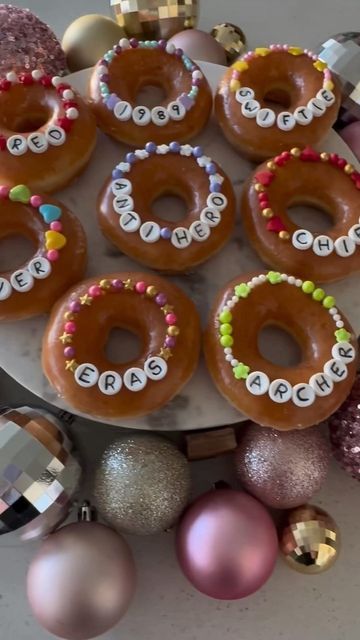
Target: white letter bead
{"x": 130, "y": 221}
{"x": 199, "y": 231}
{"x": 135, "y": 379}
{"x": 155, "y": 368}
{"x": 302, "y": 239}
{"x": 322, "y": 384}
{"x": 110, "y": 383}
{"x": 303, "y": 395}
{"x": 354, "y": 233}
{"x": 326, "y": 96}
{"x": 317, "y": 107}
{"x": 150, "y": 232}
{"x": 17, "y": 145}
{"x": 123, "y": 110}
{"x": 159, "y": 116}
{"x": 336, "y": 369}
{"x": 121, "y": 186}
{"x": 257, "y": 383}
{"x": 210, "y": 216}
{"x": 86, "y": 375}
{"x": 250, "y": 108}
{"x": 40, "y": 268}
{"x": 55, "y": 135}
{"x": 141, "y": 116}
{"x": 181, "y": 237}
{"x": 303, "y": 115}
{"x": 343, "y": 351}
{"x": 5, "y": 289}
{"x": 280, "y": 390}
{"x": 244, "y": 94}
{"x": 123, "y": 203}
{"x": 286, "y": 121}
{"x": 265, "y": 118}
{"x": 217, "y": 201}
{"x": 176, "y": 110}
{"x": 22, "y": 280}
{"x": 345, "y": 246}
{"x": 37, "y": 142}
{"x": 323, "y": 246}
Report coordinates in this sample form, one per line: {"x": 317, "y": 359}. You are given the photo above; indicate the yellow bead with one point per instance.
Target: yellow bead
{"x": 349, "y": 169}
{"x": 284, "y": 235}
{"x": 240, "y": 65}
{"x": 259, "y": 187}
{"x": 69, "y": 316}
{"x": 295, "y": 51}
{"x": 271, "y": 165}
{"x": 295, "y": 152}
{"x": 262, "y": 51}
{"x": 151, "y": 291}
{"x": 328, "y": 85}
{"x": 105, "y": 284}
{"x": 320, "y": 65}
{"x": 234, "y": 85}
{"x": 324, "y": 156}
{"x": 173, "y": 330}
{"x": 267, "y": 213}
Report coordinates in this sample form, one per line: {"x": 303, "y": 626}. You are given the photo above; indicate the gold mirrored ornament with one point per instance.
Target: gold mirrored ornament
{"x": 231, "y": 38}
{"x": 155, "y": 19}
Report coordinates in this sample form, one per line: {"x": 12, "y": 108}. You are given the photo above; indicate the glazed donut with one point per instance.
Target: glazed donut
{"x": 276, "y": 98}
{"x": 291, "y": 397}
{"x": 73, "y": 357}
{"x": 132, "y": 65}
{"x": 305, "y": 177}
{"x": 60, "y": 252}
{"x": 126, "y": 218}
{"x": 47, "y": 132}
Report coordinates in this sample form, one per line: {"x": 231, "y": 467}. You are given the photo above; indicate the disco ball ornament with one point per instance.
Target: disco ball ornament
{"x": 155, "y": 19}
{"x": 28, "y": 43}
{"x": 310, "y": 541}
{"x": 231, "y": 38}
{"x": 341, "y": 53}
{"x": 344, "y": 426}
{"x": 87, "y": 39}
{"x": 39, "y": 476}
{"x": 283, "y": 469}
{"x": 142, "y": 484}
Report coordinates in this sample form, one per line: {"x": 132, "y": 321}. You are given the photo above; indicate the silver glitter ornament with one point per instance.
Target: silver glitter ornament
{"x": 142, "y": 484}
{"x": 38, "y": 474}
{"x": 341, "y": 53}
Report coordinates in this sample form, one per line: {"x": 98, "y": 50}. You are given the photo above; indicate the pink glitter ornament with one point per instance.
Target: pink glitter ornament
{"x": 28, "y": 43}
{"x": 344, "y": 426}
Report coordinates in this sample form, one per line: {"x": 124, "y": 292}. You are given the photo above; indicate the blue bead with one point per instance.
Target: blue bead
{"x": 210, "y": 169}
{"x": 165, "y": 233}
{"x": 174, "y": 147}
{"x": 198, "y": 152}
{"x": 150, "y": 147}
{"x": 215, "y": 187}
{"x": 116, "y": 174}
{"x": 130, "y": 157}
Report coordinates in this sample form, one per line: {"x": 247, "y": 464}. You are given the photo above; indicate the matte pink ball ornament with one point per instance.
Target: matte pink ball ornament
{"x": 351, "y": 135}
{"x": 227, "y": 544}
{"x": 199, "y": 45}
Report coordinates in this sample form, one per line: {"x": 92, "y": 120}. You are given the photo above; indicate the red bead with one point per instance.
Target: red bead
{"x": 357, "y": 184}
{"x": 26, "y": 79}
{"x": 333, "y": 159}
{"x": 5, "y": 84}
{"x": 65, "y": 123}
{"x": 2, "y": 143}
{"x": 275, "y": 224}
{"x": 46, "y": 81}
{"x": 70, "y": 327}
{"x": 264, "y": 205}
{"x": 279, "y": 161}
{"x": 309, "y": 155}
{"x": 341, "y": 163}
{"x": 61, "y": 87}
{"x": 70, "y": 103}
{"x": 263, "y": 196}
{"x": 286, "y": 155}
{"x": 265, "y": 178}
{"x": 355, "y": 176}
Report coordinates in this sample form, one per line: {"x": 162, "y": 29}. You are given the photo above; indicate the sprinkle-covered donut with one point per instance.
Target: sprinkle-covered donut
{"x": 73, "y": 355}
{"x": 60, "y": 252}
{"x": 291, "y": 397}
{"x": 324, "y": 180}
{"x": 275, "y": 98}
{"x": 47, "y": 133}
{"x": 129, "y": 67}
{"x": 126, "y": 218}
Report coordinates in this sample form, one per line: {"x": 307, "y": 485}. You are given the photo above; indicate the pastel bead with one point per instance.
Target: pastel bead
{"x": 161, "y": 299}
{"x": 52, "y": 255}
{"x": 20, "y": 193}
{"x": 54, "y": 240}
{"x": 56, "y": 226}
{"x": 36, "y": 201}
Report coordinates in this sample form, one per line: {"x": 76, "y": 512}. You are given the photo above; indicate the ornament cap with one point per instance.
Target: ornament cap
{"x": 86, "y": 513}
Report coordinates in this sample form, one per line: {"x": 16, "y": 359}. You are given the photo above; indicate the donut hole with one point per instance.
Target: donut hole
{"x": 122, "y": 346}
{"x": 150, "y": 95}
{"x": 278, "y": 98}
{"x": 15, "y": 250}
{"x": 278, "y": 346}
{"x": 309, "y": 216}
{"x": 170, "y": 207}
{"x": 29, "y": 120}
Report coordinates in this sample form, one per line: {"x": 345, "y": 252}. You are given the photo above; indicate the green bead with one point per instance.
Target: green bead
{"x": 226, "y": 341}
{"x": 342, "y": 335}
{"x": 226, "y": 329}
{"x": 225, "y": 316}
{"x": 318, "y": 295}
{"x": 242, "y": 290}
{"x": 308, "y": 286}
{"x": 329, "y": 302}
{"x": 241, "y": 371}
{"x": 274, "y": 277}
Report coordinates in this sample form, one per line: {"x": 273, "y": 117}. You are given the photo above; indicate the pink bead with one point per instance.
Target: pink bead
{"x": 56, "y": 226}
{"x": 140, "y": 287}
{"x": 95, "y": 291}
{"x": 236, "y": 75}
{"x": 278, "y": 47}
{"x": 273, "y": 47}
{"x": 52, "y": 255}
{"x": 171, "y": 318}
{"x": 327, "y": 74}
{"x": 70, "y": 327}
{"x": 36, "y": 201}
{"x": 4, "y": 192}
{"x": 285, "y": 47}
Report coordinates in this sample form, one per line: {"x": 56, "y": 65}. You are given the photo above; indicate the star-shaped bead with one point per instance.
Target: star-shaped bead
{"x": 71, "y": 365}
{"x": 66, "y": 338}
{"x": 129, "y": 285}
{"x": 342, "y": 335}
{"x": 242, "y": 290}
{"x": 165, "y": 353}
{"x": 162, "y": 149}
{"x": 241, "y": 371}
{"x": 186, "y": 150}
{"x": 85, "y": 300}
{"x": 124, "y": 167}
{"x": 167, "y": 308}
{"x": 203, "y": 161}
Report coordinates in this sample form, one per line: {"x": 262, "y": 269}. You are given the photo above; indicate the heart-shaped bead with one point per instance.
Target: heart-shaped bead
{"x": 54, "y": 240}
{"x": 262, "y": 51}
{"x": 20, "y": 193}
{"x": 309, "y": 155}
{"x": 50, "y": 213}
{"x": 265, "y": 178}
{"x": 275, "y": 224}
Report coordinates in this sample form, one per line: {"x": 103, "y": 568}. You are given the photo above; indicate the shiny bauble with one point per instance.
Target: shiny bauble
{"x": 142, "y": 484}
{"x": 341, "y": 52}
{"x": 231, "y": 38}
{"x": 81, "y": 582}
{"x": 199, "y": 45}
{"x": 351, "y": 135}
{"x": 28, "y": 43}
{"x": 227, "y": 544}
{"x": 283, "y": 469}
{"x": 155, "y": 19}
{"x": 39, "y": 476}
{"x": 87, "y": 39}
{"x": 344, "y": 426}
{"x": 310, "y": 540}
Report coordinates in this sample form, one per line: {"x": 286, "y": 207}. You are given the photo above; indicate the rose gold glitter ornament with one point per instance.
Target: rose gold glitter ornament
{"x": 28, "y": 43}
{"x": 155, "y": 19}
{"x": 344, "y": 426}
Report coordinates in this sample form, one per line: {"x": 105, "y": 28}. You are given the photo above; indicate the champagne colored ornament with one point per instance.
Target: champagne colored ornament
{"x": 81, "y": 582}
{"x": 227, "y": 544}
{"x": 231, "y": 38}
{"x": 28, "y": 43}
{"x": 142, "y": 484}
{"x": 199, "y": 45}
{"x": 283, "y": 469}
{"x": 344, "y": 428}
{"x": 310, "y": 541}
{"x": 39, "y": 476}
{"x": 156, "y": 19}
{"x": 87, "y": 39}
